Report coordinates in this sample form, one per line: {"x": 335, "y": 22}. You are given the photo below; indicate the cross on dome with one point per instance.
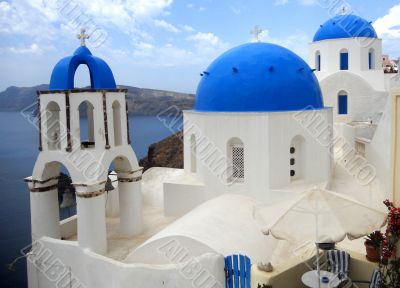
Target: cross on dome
{"x": 256, "y": 32}
{"x": 83, "y": 36}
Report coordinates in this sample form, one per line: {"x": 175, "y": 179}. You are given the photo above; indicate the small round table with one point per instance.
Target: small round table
{"x": 310, "y": 279}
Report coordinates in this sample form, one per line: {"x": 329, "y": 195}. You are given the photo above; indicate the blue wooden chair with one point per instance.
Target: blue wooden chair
{"x": 237, "y": 271}
{"x": 375, "y": 280}
{"x": 339, "y": 264}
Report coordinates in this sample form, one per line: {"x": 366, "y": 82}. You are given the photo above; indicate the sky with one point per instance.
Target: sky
{"x": 164, "y": 44}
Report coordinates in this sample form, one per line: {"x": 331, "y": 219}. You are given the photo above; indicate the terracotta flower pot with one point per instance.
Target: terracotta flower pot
{"x": 372, "y": 253}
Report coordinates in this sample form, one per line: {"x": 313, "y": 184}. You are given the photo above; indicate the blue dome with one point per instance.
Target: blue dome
{"x": 101, "y": 76}
{"x": 258, "y": 77}
{"x": 345, "y": 26}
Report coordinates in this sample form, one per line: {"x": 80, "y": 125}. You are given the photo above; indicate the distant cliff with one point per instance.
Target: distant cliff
{"x": 140, "y": 101}
{"x": 166, "y": 153}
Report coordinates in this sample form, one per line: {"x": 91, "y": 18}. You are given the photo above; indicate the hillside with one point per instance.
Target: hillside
{"x": 165, "y": 153}
{"x": 141, "y": 101}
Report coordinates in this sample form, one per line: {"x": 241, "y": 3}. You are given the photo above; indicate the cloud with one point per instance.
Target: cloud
{"x": 5, "y": 6}
{"x": 204, "y": 38}
{"x": 20, "y": 16}
{"x": 166, "y": 26}
{"x": 143, "y": 49}
{"x": 388, "y": 28}
{"x": 389, "y": 24}
{"x": 32, "y": 49}
{"x": 308, "y": 2}
{"x": 281, "y": 2}
{"x": 165, "y": 55}
{"x": 301, "y": 2}
{"x": 188, "y": 28}
{"x": 126, "y": 15}
{"x": 133, "y": 9}
{"x": 207, "y": 46}
{"x": 235, "y": 10}
{"x": 297, "y": 42}
{"x": 203, "y": 47}
{"x": 197, "y": 7}
{"x": 28, "y": 24}
{"x": 147, "y": 8}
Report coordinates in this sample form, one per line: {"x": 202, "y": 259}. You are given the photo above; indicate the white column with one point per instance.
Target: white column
{"x": 45, "y": 214}
{"x": 92, "y": 233}
{"x": 112, "y": 199}
{"x": 130, "y": 203}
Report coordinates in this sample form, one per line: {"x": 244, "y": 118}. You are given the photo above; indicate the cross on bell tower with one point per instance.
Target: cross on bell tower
{"x": 83, "y": 36}
{"x": 256, "y": 32}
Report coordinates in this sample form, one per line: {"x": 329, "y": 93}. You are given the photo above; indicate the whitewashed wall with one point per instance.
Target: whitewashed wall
{"x": 86, "y": 269}
{"x": 364, "y": 102}
{"x": 358, "y": 49}
{"x": 379, "y": 151}
{"x": 266, "y": 138}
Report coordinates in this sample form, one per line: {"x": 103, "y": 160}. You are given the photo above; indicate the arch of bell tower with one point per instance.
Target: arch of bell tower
{"x": 87, "y": 160}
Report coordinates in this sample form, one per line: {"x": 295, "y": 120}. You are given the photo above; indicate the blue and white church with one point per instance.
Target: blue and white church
{"x": 346, "y": 53}
{"x": 250, "y": 140}
{"x": 244, "y": 135}
{"x": 347, "y": 56}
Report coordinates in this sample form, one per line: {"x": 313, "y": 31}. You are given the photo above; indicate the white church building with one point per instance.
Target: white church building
{"x": 250, "y": 140}
{"x": 244, "y": 135}
{"x": 347, "y": 56}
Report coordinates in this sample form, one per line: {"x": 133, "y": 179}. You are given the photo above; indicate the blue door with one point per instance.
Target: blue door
{"x": 344, "y": 61}
{"x": 342, "y": 104}
{"x": 238, "y": 271}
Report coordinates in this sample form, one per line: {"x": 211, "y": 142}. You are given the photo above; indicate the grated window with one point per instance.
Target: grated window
{"x": 238, "y": 162}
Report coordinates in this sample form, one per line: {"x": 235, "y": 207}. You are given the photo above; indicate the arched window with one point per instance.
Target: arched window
{"x": 344, "y": 59}
{"x": 235, "y": 151}
{"x": 342, "y": 103}
{"x": 53, "y": 126}
{"x": 193, "y": 154}
{"x": 318, "y": 61}
{"x": 117, "y": 123}
{"x": 371, "y": 59}
{"x": 86, "y": 124}
{"x": 296, "y": 158}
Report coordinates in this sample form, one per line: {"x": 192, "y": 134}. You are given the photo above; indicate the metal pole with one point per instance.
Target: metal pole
{"x": 316, "y": 243}
{"x": 318, "y": 267}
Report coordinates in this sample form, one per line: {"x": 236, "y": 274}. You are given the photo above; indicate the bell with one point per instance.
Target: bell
{"x": 68, "y": 199}
{"x": 109, "y": 186}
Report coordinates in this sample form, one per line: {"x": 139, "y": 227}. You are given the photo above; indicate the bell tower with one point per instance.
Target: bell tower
{"x": 87, "y": 149}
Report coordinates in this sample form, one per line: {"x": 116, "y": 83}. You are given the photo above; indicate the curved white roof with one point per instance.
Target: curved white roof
{"x": 223, "y": 225}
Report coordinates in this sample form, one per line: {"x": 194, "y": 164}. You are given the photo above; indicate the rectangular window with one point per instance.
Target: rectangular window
{"x": 237, "y": 162}
{"x": 344, "y": 61}
{"x": 342, "y": 99}
{"x": 319, "y": 63}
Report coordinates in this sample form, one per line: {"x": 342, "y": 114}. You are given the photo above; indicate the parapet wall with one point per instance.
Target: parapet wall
{"x": 57, "y": 263}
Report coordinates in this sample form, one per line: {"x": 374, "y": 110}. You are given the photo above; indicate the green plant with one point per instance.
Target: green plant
{"x": 374, "y": 239}
{"x": 389, "y": 265}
